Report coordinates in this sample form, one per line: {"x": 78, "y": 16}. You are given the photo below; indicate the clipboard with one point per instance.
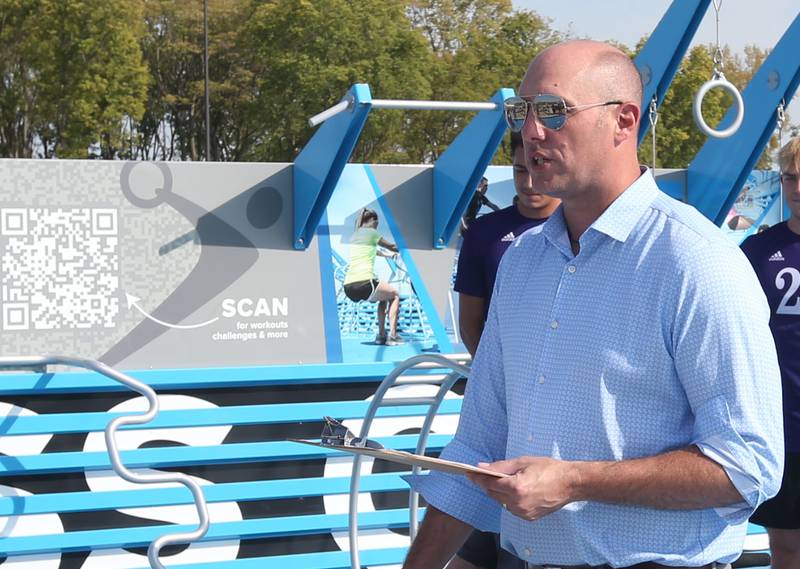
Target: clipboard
{"x": 408, "y": 459}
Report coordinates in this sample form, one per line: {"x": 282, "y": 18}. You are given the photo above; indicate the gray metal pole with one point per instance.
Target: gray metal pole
{"x": 205, "y": 73}
{"x": 342, "y": 106}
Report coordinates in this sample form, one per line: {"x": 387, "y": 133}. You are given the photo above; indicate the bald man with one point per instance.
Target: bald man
{"x": 626, "y": 381}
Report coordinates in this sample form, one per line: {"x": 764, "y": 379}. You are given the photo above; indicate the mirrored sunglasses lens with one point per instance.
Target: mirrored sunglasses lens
{"x": 550, "y": 111}
{"x": 516, "y": 110}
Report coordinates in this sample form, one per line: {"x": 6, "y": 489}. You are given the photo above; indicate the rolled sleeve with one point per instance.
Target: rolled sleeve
{"x": 719, "y": 441}
{"x": 726, "y": 360}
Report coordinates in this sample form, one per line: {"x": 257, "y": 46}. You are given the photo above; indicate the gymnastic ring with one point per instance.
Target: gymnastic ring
{"x": 697, "y": 108}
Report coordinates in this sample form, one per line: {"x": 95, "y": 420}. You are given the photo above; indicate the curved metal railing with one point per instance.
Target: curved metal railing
{"x": 423, "y": 361}
{"x": 40, "y": 363}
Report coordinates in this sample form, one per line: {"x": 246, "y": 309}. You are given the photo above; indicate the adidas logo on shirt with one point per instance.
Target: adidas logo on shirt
{"x": 778, "y": 256}
{"x": 508, "y": 237}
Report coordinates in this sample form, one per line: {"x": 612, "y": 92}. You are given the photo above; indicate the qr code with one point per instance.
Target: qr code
{"x": 60, "y": 268}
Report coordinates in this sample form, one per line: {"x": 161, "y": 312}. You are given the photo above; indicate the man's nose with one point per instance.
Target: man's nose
{"x": 533, "y": 129}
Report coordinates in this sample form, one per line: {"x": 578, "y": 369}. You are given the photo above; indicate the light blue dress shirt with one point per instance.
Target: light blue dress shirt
{"x": 654, "y": 337}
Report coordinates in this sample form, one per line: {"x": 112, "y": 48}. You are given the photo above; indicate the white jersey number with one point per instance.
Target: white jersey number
{"x": 784, "y": 307}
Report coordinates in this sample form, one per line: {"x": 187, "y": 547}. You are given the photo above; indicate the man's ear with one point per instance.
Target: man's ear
{"x": 627, "y": 121}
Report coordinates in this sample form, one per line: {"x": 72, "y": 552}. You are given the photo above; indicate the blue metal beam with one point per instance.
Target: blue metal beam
{"x": 718, "y": 172}
{"x": 319, "y": 165}
{"x": 459, "y": 169}
{"x": 660, "y": 57}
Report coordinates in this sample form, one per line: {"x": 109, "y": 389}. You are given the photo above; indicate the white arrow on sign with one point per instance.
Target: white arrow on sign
{"x": 134, "y": 301}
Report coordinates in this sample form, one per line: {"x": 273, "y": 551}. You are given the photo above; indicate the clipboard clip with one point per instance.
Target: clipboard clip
{"x": 335, "y": 434}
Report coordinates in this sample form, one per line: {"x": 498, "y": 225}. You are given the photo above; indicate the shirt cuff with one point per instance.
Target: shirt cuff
{"x": 752, "y": 459}
{"x": 744, "y": 484}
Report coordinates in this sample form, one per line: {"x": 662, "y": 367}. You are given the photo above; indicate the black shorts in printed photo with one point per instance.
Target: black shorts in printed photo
{"x": 360, "y": 290}
{"x": 783, "y": 511}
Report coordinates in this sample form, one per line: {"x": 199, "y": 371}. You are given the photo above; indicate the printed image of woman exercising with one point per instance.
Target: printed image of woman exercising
{"x": 360, "y": 282}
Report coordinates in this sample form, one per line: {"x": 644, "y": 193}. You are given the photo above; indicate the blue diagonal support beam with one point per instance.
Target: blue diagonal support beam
{"x": 716, "y": 175}
{"x": 660, "y": 57}
{"x": 319, "y": 165}
{"x": 459, "y": 169}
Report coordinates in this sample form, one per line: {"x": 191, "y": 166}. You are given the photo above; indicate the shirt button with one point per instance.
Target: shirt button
{"x": 530, "y": 437}
{"x": 541, "y": 379}
{"x": 554, "y": 324}
{"x": 527, "y": 551}
{"x": 572, "y": 268}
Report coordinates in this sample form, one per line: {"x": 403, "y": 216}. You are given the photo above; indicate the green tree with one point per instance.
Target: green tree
{"x": 91, "y": 76}
{"x": 73, "y": 76}
{"x": 451, "y": 25}
{"x": 18, "y": 86}
{"x": 174, "y": 126}
{"x": 310, "y": 53}
{"x": 478, "y": 46}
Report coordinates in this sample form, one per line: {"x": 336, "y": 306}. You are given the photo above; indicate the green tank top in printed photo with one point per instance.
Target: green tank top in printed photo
{"x": 363, "y": 247}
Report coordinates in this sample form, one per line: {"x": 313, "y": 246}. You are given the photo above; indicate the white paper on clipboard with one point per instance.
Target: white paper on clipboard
{"x": 409, "y": 459}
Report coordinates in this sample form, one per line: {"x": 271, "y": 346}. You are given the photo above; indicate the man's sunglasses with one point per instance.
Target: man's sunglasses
{"x": 550, "y": 110}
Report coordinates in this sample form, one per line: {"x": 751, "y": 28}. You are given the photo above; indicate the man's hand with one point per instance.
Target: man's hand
{"x": 537, "y": 487}
{"x": 681, "y": 479}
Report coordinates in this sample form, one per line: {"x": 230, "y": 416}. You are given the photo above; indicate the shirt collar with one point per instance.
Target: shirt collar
{"x": 618, "y": 220}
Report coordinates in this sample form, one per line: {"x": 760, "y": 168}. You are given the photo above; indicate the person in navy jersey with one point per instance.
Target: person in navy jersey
{"x": 775, "y": 255}
{"x": 485, "y": 241}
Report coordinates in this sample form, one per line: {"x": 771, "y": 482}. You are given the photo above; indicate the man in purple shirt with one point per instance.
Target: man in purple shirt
{"x": 485, "y": 241}
{"x": 775, "y": 255}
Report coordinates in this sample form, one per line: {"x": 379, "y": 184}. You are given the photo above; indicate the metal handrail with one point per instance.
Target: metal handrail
{"x": 40, "y": 363}
{"x": 445, "y": 382}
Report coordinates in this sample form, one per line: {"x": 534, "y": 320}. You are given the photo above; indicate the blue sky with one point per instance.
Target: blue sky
{"x": 741, "y": 23}
{"x": 629, "y": 20}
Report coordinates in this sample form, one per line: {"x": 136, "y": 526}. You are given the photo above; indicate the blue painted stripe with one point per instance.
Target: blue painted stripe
{"x": 199, "y": 378}
{"x": 180, "y": 456}
{"x": 435, "y": 322}
{"x": 323, "y": 560}
{"x": 330, "y": 312}
{"x": 256, "y": 528}
{"x": 61, "y": 423}
{"x": 63, "y": 502}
